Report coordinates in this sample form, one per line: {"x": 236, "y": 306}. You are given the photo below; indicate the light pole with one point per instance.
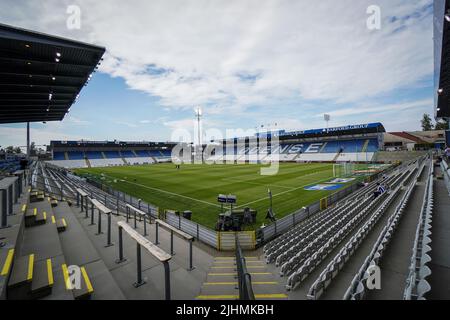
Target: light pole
{"x": 198, "y": 114}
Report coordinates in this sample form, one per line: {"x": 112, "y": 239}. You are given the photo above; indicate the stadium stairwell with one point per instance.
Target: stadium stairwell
{"x": 366, "y": 144}
{"x": 123, "y": 159}
{"x": 336, "y": 157}
{"x": 222, "y": 284}
{"x": 87, "y": 162}
{"x": 66, "y": 156}
{"x": 103, "y": 155}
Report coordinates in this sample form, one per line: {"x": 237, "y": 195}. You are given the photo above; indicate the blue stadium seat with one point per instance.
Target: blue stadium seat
{"x": 166, "y": 153}
{"x": 58, "y": 156}
{"x": 75, "y": 155}
{"x": 127, "y": 154}
{"x": 112, "y": 154}
{"x": 154, "y": 153}
{"x": 142, "y": 153}
{"x": 346, "y": 146}
{"x": 94, "y": 155}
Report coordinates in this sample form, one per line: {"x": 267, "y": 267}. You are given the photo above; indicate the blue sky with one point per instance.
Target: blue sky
{"x": 244, "y": 63}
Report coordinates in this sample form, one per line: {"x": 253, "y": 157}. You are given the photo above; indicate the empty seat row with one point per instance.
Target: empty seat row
{"x": 278, "y": 245}
{"x": 417, "y": 284}
{"x": 338, "y": 262}
{"x": 313, "y": 261}
{"x": 295, "y": 255}
{"x": 306, "y": 266}
{"x": 357, "y": 288}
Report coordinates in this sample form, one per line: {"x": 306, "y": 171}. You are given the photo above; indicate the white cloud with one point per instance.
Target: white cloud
{"x": 398, "y": 107}
{"x": 244, "y": 53}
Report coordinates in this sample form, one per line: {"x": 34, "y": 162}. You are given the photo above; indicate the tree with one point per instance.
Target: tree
{"x": 442, "y": 125}
{"x": 427, "y": 125}
{"x": 9, "y": 149}
{"x": 17, "y": 150}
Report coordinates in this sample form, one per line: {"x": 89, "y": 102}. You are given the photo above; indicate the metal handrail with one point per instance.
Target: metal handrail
{"x": 244, "y": 277}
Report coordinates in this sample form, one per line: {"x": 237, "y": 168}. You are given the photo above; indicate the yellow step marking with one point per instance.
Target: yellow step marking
{"x": 232, "y": 296}
{"x": 86, "y": 279}
{"x": 24, "y": 208}
{"x": 45, "y": 215}
{"x": 30, "y": 267}
{"x": 64, "y": 222}
{"x": 48, "y": 199}
{"x": 235, "y": 283}
{"x": 234, "y": 273}
{"x": 35, "y": 211}
{"x": 7, "y": 264}
{"x": 66, "y": 277}
{"x": 50, "y": 272}
{"x": 53, "y": 219}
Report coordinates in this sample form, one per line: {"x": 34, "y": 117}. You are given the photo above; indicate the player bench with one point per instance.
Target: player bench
{"x": 151, "y": 248}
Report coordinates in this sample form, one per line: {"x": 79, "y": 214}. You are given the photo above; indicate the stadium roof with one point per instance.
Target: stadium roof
{"x": 442, "y": 60}
{"x": 41, "y": 75}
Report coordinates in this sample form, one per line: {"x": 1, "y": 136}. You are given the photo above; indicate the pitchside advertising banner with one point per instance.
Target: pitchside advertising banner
{"x": 331, "y": 185}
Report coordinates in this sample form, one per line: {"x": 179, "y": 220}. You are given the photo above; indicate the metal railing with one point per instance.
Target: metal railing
{"x": 244, "y": 277}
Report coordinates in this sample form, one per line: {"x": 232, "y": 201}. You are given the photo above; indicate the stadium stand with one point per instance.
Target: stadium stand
{"x": 82, "y": 154}
{"x": 357, "y": 143}
{"x": 304, "y": 248}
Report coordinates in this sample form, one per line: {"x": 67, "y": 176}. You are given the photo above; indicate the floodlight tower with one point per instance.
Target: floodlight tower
{"x": 198, "y": 114}
{"x": 327, "y": 118}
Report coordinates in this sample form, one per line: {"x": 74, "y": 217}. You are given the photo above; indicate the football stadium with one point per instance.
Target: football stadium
{"x": 354, "y": 211}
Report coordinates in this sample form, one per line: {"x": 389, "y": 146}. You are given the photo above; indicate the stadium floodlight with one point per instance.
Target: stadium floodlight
{"x": 58, "y": 54}
{"x": 440, "y": 91}
{"x": 447, "y": 16}
{"x": 327, "y": 118}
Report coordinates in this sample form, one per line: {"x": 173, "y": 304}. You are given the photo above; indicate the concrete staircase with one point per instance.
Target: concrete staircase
{"x": 123, "y": 159}
{"x": 53, "y": 247}
{"x": 222, "y": 284}
{"x": 366, "y": 144}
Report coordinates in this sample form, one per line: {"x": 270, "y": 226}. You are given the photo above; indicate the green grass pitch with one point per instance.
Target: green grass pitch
{"x": 195, "y": 187}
